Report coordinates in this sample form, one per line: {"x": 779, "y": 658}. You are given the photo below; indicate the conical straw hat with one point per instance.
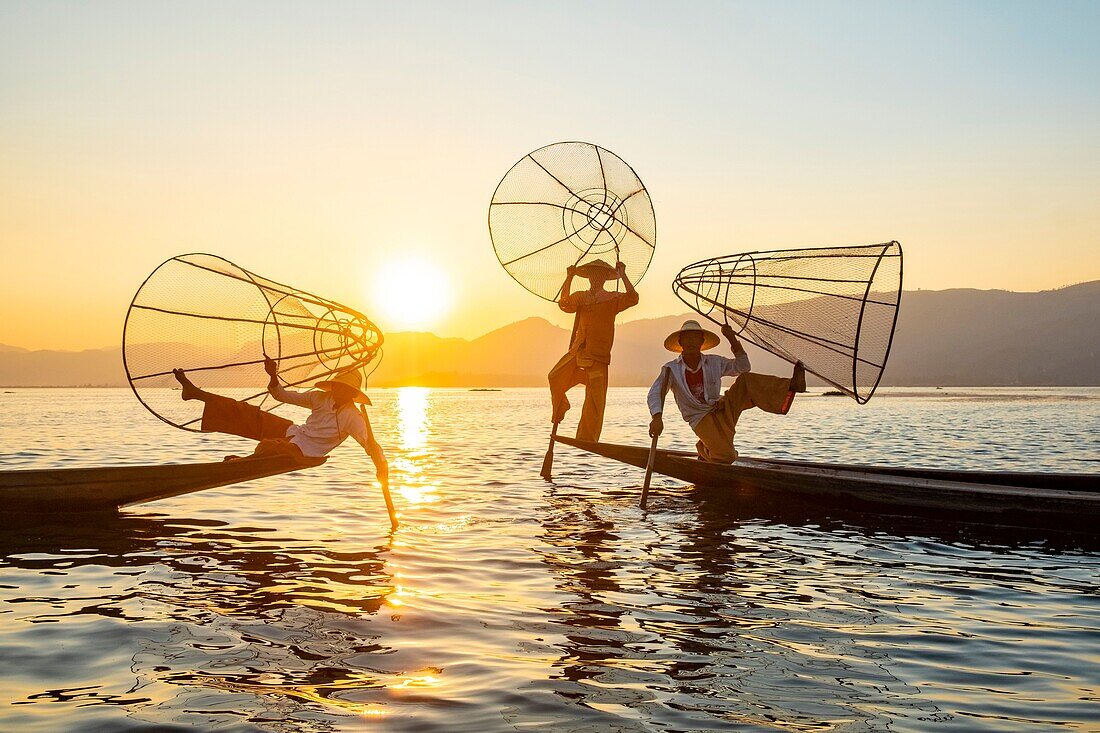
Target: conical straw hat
{"x": 348, "y": 379}
{"x": 710, "y": 338}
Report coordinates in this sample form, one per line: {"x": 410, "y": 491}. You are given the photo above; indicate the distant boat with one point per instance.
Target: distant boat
{"x": 1014, "y": 498}
{"x": 59, "y": 490}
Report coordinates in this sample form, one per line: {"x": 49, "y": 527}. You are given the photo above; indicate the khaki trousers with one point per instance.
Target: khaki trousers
{"x": 567, "y": 373}
{"x": 717, "y": 428}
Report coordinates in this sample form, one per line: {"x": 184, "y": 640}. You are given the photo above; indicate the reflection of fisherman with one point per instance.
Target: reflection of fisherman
{"x": 333, "y": 417}
{"x": 590, "y": 349}
{"x": 696, "y": 382}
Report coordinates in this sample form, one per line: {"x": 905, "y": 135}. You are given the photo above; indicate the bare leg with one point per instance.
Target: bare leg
{"x": 798, "y": 378}
{"x": 190, "y": 391}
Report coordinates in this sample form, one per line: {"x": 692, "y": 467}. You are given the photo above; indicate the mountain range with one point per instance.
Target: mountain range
{"x": 958, "y": 337}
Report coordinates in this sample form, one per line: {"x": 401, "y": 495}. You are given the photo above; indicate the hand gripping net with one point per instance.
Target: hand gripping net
{"x": 834, "y": 308}
{"x": 216, "y": 321}
{"x": 567, "y": 204}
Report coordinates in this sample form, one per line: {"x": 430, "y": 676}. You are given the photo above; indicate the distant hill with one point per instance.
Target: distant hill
{"x": 995, "y": 337}
{"x": 90, "y": 368}
{"x": 944, "y": 338}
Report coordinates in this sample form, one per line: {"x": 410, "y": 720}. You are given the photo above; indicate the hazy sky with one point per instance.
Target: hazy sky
{"x": 324, "y": 143}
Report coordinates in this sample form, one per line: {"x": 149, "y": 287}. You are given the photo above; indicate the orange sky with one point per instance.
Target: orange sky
{"x": 321, "y": 143}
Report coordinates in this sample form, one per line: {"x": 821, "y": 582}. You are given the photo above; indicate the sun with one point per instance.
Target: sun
{"x": 411, "y": 294}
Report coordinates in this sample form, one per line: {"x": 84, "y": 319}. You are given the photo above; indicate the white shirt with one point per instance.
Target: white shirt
{"x": 714, "y": 368}
{"x": 327, "y": 426}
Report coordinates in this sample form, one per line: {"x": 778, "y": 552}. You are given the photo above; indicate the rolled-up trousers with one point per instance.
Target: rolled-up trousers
{"x": 717, "y": 429}
{"x": 567, "y": 373}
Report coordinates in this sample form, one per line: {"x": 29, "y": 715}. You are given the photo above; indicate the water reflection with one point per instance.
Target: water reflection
{"x": 688, "y": 620}
{"x": 278, "y": 626}
{"x": 510, "y": 602}
{"x": 414, "y": 431}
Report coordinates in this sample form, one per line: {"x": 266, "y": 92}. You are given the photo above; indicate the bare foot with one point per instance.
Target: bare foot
{"x": 190, "y": 391}
{"x": 798, "y": 378}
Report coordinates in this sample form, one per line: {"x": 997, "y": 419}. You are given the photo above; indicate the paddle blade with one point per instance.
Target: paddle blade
{"x": 548, "y": 462}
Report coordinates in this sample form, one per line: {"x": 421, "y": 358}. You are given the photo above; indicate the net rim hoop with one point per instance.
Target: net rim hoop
{"x": 595, "y": 146}
{"x": 893, "y": 325}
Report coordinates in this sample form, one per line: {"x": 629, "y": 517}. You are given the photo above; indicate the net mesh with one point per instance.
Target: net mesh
{"x": 216, "y": 321}
{"x": 568, "y": 204}
{"x": 834, "y": 309}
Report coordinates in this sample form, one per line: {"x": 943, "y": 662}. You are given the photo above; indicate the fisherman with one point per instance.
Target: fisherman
{"x": 590, "y": 347}
{"x": 696, "y": 382}
{"x": 333, "y": 417}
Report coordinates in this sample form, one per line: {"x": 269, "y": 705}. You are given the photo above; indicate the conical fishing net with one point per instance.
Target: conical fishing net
{"x": 833, "y": 308}
{"x": 568, "y": 204}
{"x": 216, "y": 321}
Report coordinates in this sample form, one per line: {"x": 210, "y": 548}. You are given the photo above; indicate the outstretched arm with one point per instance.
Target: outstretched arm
{"x": 364, "y": 435}
{"x": 278, "y": 391}
{"x": 378, "y": 458}
{"x": 740, "y": 362}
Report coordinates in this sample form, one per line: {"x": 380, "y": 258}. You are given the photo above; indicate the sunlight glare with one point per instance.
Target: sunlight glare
{"x": 411, "y": 294}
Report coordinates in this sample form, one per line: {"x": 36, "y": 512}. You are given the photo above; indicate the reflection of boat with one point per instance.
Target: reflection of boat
{"x": 1022, "y": 498}
{"x": 110, "y": 487}
{"x": 272, "y": 625}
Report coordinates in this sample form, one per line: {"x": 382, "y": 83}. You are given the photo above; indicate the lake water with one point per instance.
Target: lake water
{"x": 506, "y": 603}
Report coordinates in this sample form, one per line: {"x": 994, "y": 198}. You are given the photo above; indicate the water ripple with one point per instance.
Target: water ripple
{"x": 506, "y": 603}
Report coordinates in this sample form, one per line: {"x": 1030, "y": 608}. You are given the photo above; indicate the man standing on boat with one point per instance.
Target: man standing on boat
{"x": 695, "y": 379}
{"x": 589, "y": 352}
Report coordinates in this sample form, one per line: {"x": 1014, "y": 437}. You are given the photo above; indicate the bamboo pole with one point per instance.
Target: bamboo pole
{"x": 665, "y": 376}
{"x": 649, "y": 470}
{"x": 389, "y": 504}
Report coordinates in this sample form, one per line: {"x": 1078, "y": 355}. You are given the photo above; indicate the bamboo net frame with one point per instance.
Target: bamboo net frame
{"x": 834, "y": 309}
{"x": 217, "y": 321}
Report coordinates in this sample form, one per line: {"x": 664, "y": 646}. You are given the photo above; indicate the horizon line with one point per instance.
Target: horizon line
{"x": 547, "y": 321}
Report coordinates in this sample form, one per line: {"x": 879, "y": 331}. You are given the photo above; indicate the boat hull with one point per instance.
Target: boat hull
{"x": 1015, "y": 497}
{"x": 111, "y": 487}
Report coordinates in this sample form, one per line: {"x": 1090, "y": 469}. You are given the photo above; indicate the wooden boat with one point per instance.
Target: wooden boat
{"x": 111, "y": 487}
{"x": 1022, "y": 498}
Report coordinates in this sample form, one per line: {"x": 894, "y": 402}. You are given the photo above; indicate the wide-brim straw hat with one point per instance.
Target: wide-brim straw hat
{"x": 710, "y": 338}
{"x": 348, "y": 379}
{"x": 588, "y": 269}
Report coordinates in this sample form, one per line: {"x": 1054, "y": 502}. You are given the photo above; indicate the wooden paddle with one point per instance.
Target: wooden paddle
{"x": 381, "y": 466}
{"x": 389, "y": 504}
{"x": 653, "y": 448}
{"x": 649, "y": 470}
{"x": 548, "y": 460}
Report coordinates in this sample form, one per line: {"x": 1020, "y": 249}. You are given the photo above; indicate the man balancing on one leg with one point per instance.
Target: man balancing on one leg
{"x": 333, "y": 417}
{"x": 696, "y": 382}
{"x": 590, "y": 348}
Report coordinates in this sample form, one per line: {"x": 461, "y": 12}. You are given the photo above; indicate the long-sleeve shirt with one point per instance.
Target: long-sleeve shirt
{"x": 327, "y": 425}
{"x": 714, "y": 368}
{"x": 595, "y": 331}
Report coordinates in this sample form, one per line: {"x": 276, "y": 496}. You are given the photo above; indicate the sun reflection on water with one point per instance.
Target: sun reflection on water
{"x": 415, "y": 431}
